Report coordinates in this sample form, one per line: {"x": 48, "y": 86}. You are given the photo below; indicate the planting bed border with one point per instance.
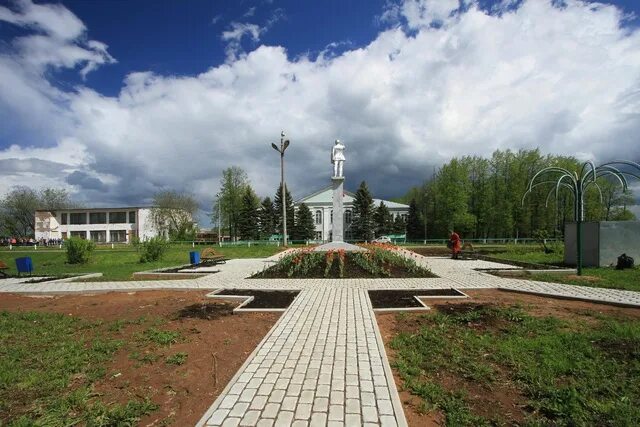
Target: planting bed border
{"x": 417, "y": 295}
{"x": 249, "y": 296}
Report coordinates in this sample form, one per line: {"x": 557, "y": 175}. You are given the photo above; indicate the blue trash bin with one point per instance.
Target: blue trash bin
{"x": 24, "y": 265}
{"x": 194, "y": 257}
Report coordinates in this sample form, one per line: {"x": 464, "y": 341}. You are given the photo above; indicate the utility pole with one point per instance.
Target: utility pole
{"x": 284, "y": 143}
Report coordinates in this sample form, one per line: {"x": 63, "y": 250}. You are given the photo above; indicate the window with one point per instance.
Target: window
{"x": 118, "y": 236}
{"x": 404, "y": 217}
{"x": 331, "y": 216}
{"x": 347, "y": 217}
{"x": 318, "y": 217}
{"x": 63, "y": 219}
{"x": 98, "y": 218}
{"x": 117, "y": 217}
{"x": 77, "y": 218}
{"x": 80, "y": 234}
{"x": 132, "y": 217}
{"x": 318, "y": 235}
{"x": 98, "y": 236}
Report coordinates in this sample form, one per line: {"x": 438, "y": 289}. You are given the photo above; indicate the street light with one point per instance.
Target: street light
{"x": 284, "y": 143}
{"x": 219, "y": 220}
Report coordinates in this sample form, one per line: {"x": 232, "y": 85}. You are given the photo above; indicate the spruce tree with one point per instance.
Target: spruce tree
{"x": 363, "y": 210}
{"x": 266, "y": 219}
{"x": 415, "y": 227}
{"x": 304, "y": 226}
{"x": 248, "y": 218}
{"x": 288, "y": 206}
{"x": 383, "y": 220}
{"x": 399, "y": 226}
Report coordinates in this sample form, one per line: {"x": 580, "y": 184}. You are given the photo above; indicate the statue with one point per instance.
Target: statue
{"x": 337, "y": 159}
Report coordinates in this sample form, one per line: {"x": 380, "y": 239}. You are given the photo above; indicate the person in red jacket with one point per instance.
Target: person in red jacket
{"x": 455, "y": 244}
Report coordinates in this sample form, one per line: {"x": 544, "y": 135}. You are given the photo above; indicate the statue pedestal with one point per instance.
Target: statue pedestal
{"x": 337, "y": 227}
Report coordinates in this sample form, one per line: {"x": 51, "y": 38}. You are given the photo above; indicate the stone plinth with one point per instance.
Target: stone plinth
{"x": 337, "y": 227}
{"x": 336, "y": 246}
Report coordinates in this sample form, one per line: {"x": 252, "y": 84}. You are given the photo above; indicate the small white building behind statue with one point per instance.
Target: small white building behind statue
{"x": 320, "y": 203}
{"x": 101, "y": 225}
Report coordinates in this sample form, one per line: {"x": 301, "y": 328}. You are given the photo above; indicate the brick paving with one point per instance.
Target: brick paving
{"x": 324, "y": 363}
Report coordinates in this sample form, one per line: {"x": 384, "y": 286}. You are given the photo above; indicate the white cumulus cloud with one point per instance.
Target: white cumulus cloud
{"x": 535, "y": 75}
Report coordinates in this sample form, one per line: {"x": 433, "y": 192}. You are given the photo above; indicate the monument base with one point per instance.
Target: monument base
{"x": 336, "y": 246}
{"x": 337, "y": 228}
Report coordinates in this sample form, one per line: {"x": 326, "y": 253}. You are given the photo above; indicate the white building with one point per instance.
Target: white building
{"x": 101, "y": 225}
{"x": 320, "y": 204}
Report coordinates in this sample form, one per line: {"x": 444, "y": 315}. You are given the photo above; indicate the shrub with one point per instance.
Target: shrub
{"x": 153, "y": 249}
{"x": 79, "y": 250}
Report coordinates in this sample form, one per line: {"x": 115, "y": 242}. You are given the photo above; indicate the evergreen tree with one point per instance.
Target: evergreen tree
{"x": 415, "y": 227}
{"x": 288, "y": 206}
{"x": 304, "y": 227}
{"x": 266, "y": 219}
{"x": 248, "y": 218}
{"x": 363, "y": 210}
{"x": 383, "y": 220}
{"x": 399, "y": 226}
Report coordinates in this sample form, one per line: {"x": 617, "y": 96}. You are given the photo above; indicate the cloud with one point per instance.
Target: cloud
{"x": 250, "y": 12}
{"x": 237, "y": 31}
{"x": 562, "y": 79}
{"x": 60, "y": 39}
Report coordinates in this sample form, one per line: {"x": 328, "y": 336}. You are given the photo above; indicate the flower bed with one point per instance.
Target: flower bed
{"x": 375, "y": 262}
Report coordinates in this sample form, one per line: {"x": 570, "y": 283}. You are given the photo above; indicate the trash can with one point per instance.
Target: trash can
{"x": 194, "y": 257}
{"x": 24, "y": 265}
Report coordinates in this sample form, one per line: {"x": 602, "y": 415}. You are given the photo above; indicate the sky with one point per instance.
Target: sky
{"x": 116, "y": 100}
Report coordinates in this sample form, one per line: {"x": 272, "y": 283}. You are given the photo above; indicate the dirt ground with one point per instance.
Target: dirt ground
{"x": 504, "y": 399}
{"x": 217, "y": 344}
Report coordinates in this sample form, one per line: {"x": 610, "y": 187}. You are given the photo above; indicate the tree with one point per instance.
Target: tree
{"x": 399, "y": 226}
{"x": 415, "y": 228}
{"x": 383, "y": 220}
{"x": 248, "y": 221}
{"x": 266, "y": 219}
{"x": 363, "y": 210}
{"x": 172, "y": 214}
{"x": 233, "y": 184}
{"x": 288, "y": 206}
{"x": 304, "y": 228}
{"x": 19, "y": 205}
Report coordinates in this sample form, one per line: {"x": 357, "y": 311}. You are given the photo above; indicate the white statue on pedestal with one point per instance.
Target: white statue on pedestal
{"x": 337, "y": 159}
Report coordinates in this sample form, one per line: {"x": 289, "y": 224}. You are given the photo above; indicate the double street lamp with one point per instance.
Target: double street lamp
{"x": 284, "y": 143}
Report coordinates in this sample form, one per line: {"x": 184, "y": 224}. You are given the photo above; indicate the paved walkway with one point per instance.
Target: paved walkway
{"x": 324, "y": 363}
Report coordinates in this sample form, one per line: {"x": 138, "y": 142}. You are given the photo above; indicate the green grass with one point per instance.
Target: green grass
{"x": 121, "y": 263}
{"x": 530, "y": 253}
{"x": 48, "y": 363}
{"x": 176, "y": 359}
{"x": 569, "y": 372}
{"x": 606, "y": 277}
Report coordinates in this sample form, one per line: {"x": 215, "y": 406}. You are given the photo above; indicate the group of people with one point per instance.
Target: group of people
{"x": 23, "y": 241}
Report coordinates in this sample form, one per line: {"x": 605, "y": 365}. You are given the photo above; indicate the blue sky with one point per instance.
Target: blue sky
{"x": 116, "y": 99}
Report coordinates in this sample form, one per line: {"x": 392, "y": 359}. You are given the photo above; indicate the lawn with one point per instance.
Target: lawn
{"x": 120, "y": 263}
{"x": 492, "y": 364}
{"x": 117, "y": 359}
{"x": 604, "y": 277}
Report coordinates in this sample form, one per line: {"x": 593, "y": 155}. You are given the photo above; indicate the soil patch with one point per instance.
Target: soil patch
{"x": 184, "y": 377}
{"x": 264, "y": 299}
{"x": 502, "y": 397}
{"x": 406, "y": 299}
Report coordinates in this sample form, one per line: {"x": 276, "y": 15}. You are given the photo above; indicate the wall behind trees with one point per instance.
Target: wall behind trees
{"x": 482, "y": 197}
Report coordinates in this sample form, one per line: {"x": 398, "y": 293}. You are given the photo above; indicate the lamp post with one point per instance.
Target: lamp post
{"x": 219, "y": 221}
{"x": 284, "y": 143}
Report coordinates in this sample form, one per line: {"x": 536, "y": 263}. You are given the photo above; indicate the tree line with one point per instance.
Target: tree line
{"x": 483, "y": 198}
{"x": 244, "y": 216}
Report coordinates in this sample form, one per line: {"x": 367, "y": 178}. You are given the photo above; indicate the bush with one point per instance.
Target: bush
{"x": 153, "y": 249}
{"x": 79, "y": 250}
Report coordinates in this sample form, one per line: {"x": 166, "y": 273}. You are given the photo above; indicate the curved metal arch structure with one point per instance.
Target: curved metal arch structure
{"x": 577, "y": 182}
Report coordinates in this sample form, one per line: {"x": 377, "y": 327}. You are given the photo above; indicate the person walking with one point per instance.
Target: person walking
{"x": 454, "y": 244}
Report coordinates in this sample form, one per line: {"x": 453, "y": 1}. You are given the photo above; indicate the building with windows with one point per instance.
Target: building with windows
{"x": 320, "y": 204}
{"x": 101, "y": 225}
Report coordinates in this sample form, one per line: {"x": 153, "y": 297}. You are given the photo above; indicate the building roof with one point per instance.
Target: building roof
{"x": 325, "y": 196}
